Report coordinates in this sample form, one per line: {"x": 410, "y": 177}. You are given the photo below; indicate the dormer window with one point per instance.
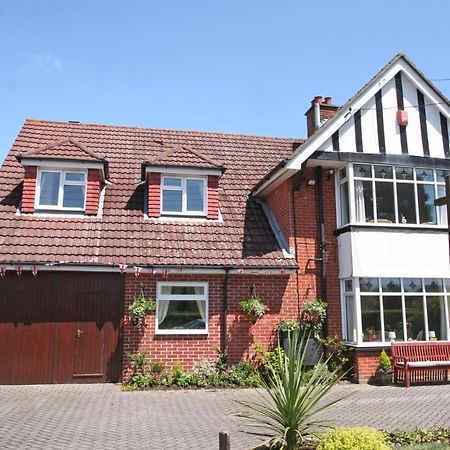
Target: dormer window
{"x": 183, "y": 196}
{"x": 61, "y": 190}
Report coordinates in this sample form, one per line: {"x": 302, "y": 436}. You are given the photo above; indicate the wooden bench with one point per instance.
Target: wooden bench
{"x": 420, "y": 361}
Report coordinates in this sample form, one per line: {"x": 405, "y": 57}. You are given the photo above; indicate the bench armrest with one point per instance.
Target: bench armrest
{"x": 400, "y": 359}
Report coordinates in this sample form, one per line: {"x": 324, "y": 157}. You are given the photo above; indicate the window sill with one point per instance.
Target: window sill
{"x": 394, "y": 227}
{"x": 181, "y": 332}
{"x": 369, "y": 345}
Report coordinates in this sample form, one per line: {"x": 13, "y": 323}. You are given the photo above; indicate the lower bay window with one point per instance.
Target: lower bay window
{"x": 382, "y": 194}
{"x": 379, "y": 310}
{"x": 182, "y": 308}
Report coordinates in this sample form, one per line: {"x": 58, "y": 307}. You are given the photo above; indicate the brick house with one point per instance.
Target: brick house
{"x": 93, "y": 215}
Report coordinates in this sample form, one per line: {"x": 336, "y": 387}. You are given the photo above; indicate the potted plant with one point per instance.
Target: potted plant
{"x": 253, "y": 307}
{"x": 140, "y": 307}
{"x": 384, "y": 370}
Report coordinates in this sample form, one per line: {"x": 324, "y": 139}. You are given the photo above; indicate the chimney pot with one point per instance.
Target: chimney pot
{"x": 317, "y": 100}
{"x": 327, "y": 100}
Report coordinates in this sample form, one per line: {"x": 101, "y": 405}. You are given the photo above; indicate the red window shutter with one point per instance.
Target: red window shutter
{"x": 213, "y": 197}
{"x": 29, "y": 189}
{"x": 154, "y": 194}
{"x": 93, "y": 192}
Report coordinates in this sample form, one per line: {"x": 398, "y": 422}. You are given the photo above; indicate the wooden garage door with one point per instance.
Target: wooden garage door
{"x": 60, "y": 328}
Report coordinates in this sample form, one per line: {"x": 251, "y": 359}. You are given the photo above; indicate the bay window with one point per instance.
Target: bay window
{"x": 384, "y": 194}
{"x": 379, "y": 310}
{"x": 61, "y": 190}
{"x": 182, "y": 308}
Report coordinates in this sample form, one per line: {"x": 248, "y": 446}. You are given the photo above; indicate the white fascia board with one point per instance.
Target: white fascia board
{"x": 60, "y": 164}
{"x": 182, "y": 171}
{"x": 68, "y": 267}
{"x": 278, "y": 178}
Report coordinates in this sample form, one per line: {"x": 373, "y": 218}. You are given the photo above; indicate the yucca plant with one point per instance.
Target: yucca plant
{"x": 288, "y": 414}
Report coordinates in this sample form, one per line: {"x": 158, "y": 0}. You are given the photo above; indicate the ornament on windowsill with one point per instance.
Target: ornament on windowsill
{"x": 166, "y": 274}
{"x": 19, "y": 270}
{"x": 2, "y": 272}
{"x": 241, "y": 270}
{"x": 152, "y": 271}
{"x": 282, "y": 271}
{"x": 137, "y": 271}
{"x": 34, "y": 270}
{"x": 122, "y": 268}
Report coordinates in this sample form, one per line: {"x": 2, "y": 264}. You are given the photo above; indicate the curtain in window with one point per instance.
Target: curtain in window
{"x": 201, "y": 304}
{"x": 359, "y": 200}
{"x": 163, "y": 308}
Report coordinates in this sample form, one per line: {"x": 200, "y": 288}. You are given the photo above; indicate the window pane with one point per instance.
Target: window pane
{"x": 351, "y": 319}
{"x": 433, "y": 285}
{"x": 182, "y": 290}
{"x": 368, "y": 284}
{"x": 172, "y": 182}
{"x": 383, "y": 171}
{"x": 343, "y": 191}
{"x": 406, "y": 203}
{"x": 441, "y": 174}
{"x": 195, "y": 194}
{"x": 172, "y": 201}
{"x": 424, "y": 174}
{"x": 390, "y": 285}
{"x": 442, "y": 210}
{"x": 348, "y": 285}
{"x": 73, "y": 196}
{"x": 74, "y": 176}
{"x": 49, "y": 188}
{"x": 371, "y": 324}
{"x": 415, "y": 318}
{"x": 364, "y": 201}
{"x": 362, "y": 170}
{"x": 404, "y": 173}
{"x": 436, "y": 317}
{"x": 385, "y": 202}
{"x": 427, "y": 212}
{"x": 412, "y": 285}
{"x": 393, "y": 316}
{"x": 181, "y": 315}
{"x": 342, "y": 173}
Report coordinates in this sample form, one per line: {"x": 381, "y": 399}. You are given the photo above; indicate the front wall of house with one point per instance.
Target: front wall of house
{"x": 277, "y": 292}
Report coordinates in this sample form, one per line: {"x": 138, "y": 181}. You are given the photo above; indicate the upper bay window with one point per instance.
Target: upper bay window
{"x": 61, "y": 190}
{"x": 183, "y": 196}
{"x": 382, "y": 194}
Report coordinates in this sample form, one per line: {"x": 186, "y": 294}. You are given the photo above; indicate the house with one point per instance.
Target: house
{"x": 93, "y": 215}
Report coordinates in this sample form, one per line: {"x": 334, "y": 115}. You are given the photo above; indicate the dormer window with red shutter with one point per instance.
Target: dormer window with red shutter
{"x": 62, "y": 177}
{"x": 182, "y": 182}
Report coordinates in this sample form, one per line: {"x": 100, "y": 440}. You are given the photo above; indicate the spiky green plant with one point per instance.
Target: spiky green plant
{"x": 288, "y": 413}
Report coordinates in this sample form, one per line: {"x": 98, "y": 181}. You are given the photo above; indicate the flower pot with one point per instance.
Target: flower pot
{"x": 384, "y": 379}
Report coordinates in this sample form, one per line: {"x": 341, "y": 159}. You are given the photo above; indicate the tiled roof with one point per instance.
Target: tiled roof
{"x": 123, "y": 235}
{"x": 68, "y": 148}
{"x": 183, "y": 156}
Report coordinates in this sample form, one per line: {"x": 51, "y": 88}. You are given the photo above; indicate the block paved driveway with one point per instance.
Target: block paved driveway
{"x": 102, "y": 417}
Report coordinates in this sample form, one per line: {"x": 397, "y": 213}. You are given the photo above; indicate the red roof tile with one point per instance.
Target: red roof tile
{"x": 123, "y": 235}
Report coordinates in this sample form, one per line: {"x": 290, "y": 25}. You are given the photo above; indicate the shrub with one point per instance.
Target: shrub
{"x": 204, "y": 372}
{"x": 245, "y": 374}
{"x": 270, "y": 361}
{"x": 179, "y": 376}
{"x": 353, "y": 439}
{"x": 289, "y": 411}
{"x": 439, "y": 435}
{"x": 138, "y": 362}
{"x": 141, "y": 381}
{"x": 384, "y": 365}
{"x": 340, "y": 356}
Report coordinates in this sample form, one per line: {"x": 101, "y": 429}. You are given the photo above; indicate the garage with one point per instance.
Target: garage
{"x": 60, "y": 327}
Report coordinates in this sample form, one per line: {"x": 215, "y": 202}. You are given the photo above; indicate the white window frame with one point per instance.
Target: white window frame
{"x": 183, "y": 188}
{"x": 160, "y": 296}
{"x": 350, "y": 179}
{"x": 62, "y": 182}
{"x": 356, "y": 294}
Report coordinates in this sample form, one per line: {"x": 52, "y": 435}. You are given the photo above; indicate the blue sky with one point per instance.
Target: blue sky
{"x": 238, "y": 66}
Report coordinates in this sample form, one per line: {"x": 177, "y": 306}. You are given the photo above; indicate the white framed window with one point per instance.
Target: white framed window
{"x": 183, "y": 195}
{"x": 379, "y": 310}
{"x": 384, "y": 194}
{"x": 181, "y": 307}
{"x": 61, "y": 190}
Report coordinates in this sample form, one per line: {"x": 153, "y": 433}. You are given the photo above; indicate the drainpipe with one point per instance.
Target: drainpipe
{"x": 322, "y": 243}
{"x": 225, "y": 315}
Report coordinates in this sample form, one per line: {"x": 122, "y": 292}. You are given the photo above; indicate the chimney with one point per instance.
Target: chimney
{"x": 319, "y": 112}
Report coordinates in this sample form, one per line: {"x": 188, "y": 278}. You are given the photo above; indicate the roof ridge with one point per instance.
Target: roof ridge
{"x": 166, "y": 130}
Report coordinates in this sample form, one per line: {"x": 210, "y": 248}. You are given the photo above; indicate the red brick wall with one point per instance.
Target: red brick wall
{"x": 213, "y": 197}
{"x": 366, "y": 363}
{"x": 276, "y": 291}
{"x": 154, "y": 194}
{"x": 29, "y": 189}
{"x": 93, "y": 192}
{"x": 301, "y": 230}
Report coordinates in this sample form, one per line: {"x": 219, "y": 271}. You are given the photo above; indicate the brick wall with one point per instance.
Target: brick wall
{"x": 29, "y": 189}
{"x": 213, "y": 197}
{"x": 366, "y": 363}
{"x": 277, "y": 292}
{"x": 93, "y": 192}
{"x": 154, "y": 194}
